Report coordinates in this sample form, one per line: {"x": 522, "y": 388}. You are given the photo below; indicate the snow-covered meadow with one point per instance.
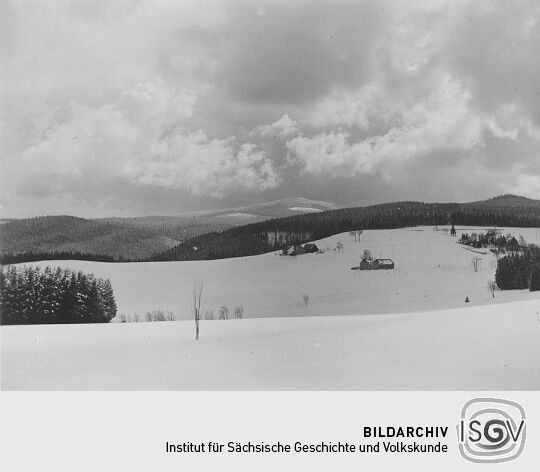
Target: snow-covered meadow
{"x": 485, "y": 348}
{"x": 431, "y": 272}
{"x": 416, "y": 332}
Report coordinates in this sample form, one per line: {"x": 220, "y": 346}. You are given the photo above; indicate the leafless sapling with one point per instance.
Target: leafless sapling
{"x": 159, "y": 315}
{"x": 223, "y": 312}
{"x": 238, "y": 312}
{"x": 492, "y": 286}
{"x": 197, "y": 295}
{"x": 475, "y": 262}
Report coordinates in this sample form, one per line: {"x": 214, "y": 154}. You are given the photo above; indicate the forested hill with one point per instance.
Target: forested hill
{"x": 107, "y": 240}
{"x": 129, "y": 239}
{"x": 508, "y": 201}
{"x": 271, "y": 235}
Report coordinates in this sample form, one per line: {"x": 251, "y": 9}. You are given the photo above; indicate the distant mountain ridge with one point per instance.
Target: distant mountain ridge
{"x": 133, "y": 238}
{"x": 278, "y": 208}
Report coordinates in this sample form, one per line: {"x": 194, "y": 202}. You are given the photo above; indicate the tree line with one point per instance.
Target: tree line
{"x": 31, "y": 295}
{"x": 18, "y": 258}
{"x": 272, "y": 235}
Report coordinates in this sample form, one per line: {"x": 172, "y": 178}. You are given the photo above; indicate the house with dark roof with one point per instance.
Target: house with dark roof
{"x": 376, "y": 264}
{"x": 310, "y": 247}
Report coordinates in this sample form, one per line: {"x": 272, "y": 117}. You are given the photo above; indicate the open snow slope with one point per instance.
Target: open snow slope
{"x": 475, "y": 348}
{"x": 431, "y": 272}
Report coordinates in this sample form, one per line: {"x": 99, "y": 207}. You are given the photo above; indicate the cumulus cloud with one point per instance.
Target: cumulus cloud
{"x": 206, "y": 166}
{"x": 107, "y": 106}
{"x": 442, "y": 120}
{"x": 283, "y": 127}
{"x": 142, "y": 139}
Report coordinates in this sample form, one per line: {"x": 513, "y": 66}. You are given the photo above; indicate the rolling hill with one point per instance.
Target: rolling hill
{"x": 248, "y": 230}
{"x": 399, "y": 315}
{"x": 272, "y": 235}
{"x": 135, "y": 238}
{"x": 508, "y": 201}
{"x": 277, "y": 208}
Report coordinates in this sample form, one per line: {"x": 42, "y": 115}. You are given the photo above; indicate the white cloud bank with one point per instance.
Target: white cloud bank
{"x": 142, "y": 138}
{"x": 159, "y": 107}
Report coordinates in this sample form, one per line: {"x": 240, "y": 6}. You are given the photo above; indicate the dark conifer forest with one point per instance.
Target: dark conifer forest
{"x": 272, "y": 235}
{"x": 519, "y": 270}
{"x": 31, "y": 295}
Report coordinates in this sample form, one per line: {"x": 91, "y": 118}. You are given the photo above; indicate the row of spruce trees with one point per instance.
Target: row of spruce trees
{"x": 31, "y": 295}
{"x": 519, "y": 270}
{"x": 20, "y": 257}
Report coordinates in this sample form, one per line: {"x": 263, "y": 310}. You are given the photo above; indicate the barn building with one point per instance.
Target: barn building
{"x": 310, "y": 247}
{"x": 376, "y": 264}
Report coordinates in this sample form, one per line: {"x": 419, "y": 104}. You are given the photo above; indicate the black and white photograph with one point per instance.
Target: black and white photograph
{"x": 302, "y": 195}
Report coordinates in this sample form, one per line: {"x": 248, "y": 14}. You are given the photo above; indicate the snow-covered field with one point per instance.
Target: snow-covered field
{"x": 416, "y": 332}
{"x": 486, "y": 348}
{"x": 431, "y": 272}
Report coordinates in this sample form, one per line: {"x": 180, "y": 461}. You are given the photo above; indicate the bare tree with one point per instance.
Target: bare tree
{"x": 238, "y": 312}
{"x": 136, "y": 318}
{"x": 122, "y": 318}
{"x": 492, "y": 286}
{"x": 208, "y": 315}
{"x": 359, "y": 233}
{"x": 159, "y": 315}
{"x": 475, "y": 262}
{"x": 223, "y": 312}
{"x": 305, "y": 297}
{"x": 197, "y": 292}
{"x": 169, "y": 316}
{"x": 149, "y": 316}
{"x": 339, "y": 246}
{"x": 366, "y": 254}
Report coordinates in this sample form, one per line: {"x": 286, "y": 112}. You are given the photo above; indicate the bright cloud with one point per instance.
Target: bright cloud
{"x": 130, "y": 105}
{"x": 283, "y": 127}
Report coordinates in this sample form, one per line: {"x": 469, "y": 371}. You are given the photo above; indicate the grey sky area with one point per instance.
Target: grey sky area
{"x": 149, "y": 107}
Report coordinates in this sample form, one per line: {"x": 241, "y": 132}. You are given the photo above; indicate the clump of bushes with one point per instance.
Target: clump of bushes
{"x": 32, "y": 295}
{"x": 159, "y": 315}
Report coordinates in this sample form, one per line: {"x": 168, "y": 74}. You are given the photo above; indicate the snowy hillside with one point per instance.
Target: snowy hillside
{"x": 484, "y": 348}
{"x": 416, "y": 332}
{"x": 431, "y": 272}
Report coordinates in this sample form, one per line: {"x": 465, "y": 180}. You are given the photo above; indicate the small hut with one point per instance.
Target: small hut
{"x": 310, "y": 247}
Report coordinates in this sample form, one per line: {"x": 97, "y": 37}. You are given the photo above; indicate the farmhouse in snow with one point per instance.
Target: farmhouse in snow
{"x": 376, "y": 264}
{"x": 310, "y": 247}
{"x": 299, "y": 250}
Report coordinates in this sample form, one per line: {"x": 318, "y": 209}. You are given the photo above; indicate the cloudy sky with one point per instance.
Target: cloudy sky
{"x": 151, "y": 107}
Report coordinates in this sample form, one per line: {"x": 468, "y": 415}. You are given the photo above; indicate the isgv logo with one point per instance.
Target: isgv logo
{"x": 491, "y": 430}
